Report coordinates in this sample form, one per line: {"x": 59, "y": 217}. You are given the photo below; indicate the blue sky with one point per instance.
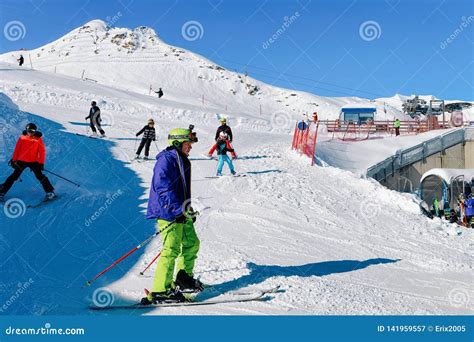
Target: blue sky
{"x": 323, "y": 48}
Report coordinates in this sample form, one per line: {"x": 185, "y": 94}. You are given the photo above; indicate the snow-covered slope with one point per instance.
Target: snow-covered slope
{"x": 336, "y": 243}
{"x": 135, "y": 59}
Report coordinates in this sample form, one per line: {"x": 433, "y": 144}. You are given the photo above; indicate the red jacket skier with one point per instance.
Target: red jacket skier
{"x": 29, "y": 153}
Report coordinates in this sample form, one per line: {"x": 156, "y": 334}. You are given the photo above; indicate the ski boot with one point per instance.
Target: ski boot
{"x": 233, "y": 173}
{"x": 49, "y": 196}
{"x": 187, "y": 284}
{"x": 170, "y": 296}
{"x": 146, "y": 158}
{"x": 137, "y": 157}
{"x": 219, "y": 174}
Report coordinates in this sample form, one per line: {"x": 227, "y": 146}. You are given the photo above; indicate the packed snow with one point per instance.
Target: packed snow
{"x": 336, "y": 243}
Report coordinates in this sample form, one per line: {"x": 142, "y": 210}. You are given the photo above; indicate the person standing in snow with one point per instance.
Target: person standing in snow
{"x": 397, "y": 125}
{"x": 21, "y": 60}
{"x": 222, "y": 150}
{"x": 223, "y": 128}
{"x": 29, "y": 153}
{"x": 149, "y": 135}
{"x": 169, "y": 204}
{"x": 229, "y": 148}
{"x": 94, "y": 116}
{"x": 159, "y": 93}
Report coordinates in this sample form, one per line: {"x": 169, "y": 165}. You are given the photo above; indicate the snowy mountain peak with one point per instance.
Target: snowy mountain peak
{"x": 96, "y": 24}
{"x": 137, "y": 60}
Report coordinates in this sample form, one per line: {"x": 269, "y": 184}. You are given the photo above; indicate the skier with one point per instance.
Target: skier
{"x": 222, "y": 150}
{"x": 94, "y": 116}
{"x": 160, "y": 93}
{"x": 435, "y": 207}
{"x": 169, "y": 204}
{"x": 148, "y": 136}
{"x": 29, "y": 153}
{"x": 229, "y": 148}
{"x": 396, "y": 125}
{"x": 223, "y": 128}
{"x": 21, "y": 60}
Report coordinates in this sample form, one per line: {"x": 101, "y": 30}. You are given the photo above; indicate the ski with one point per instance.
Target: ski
{"x": 91, "y": 136}
{"x": 237, "y": 175}
{"x": 242, "y": 298}
{"x": 42, "y": 202}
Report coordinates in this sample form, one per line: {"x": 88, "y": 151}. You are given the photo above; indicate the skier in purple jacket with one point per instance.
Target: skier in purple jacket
{"x": 169, "y": 203}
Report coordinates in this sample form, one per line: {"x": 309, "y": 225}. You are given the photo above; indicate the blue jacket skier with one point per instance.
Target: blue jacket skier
{"x": 169, "y": 204}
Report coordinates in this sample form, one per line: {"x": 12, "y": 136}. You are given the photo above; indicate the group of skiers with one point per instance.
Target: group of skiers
{"x": 168, "y": 203}
{"x": 463, "y": 214}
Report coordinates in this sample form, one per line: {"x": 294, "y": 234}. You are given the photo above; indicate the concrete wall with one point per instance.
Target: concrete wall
{"x": 469, "y": 155}
{"x": 407, "y": 179}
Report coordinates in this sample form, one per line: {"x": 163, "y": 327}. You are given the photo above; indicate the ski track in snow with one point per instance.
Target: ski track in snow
{"x": 336, "y": 243}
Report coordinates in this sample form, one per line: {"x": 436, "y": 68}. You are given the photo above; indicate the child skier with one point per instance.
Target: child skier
{"x": 169, "y": 204}
{"x": 230, "y": 148}
{"x": 222, "y": 150}
{"x": 223, "y": 128}
{"x": 29, "y": 153}
{"x": 148, "y": 136}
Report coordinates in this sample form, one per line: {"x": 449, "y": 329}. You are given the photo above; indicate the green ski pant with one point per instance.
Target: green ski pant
{"x": 179, "y": 242}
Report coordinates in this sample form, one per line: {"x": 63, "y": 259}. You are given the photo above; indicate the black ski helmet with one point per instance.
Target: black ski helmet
{"x": 31, "y": 127}
{"x": 93, "y": 103}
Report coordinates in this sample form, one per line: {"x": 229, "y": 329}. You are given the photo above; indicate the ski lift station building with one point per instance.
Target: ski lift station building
{"x": 358, "y": 113}
{"x": 446, "y": 184}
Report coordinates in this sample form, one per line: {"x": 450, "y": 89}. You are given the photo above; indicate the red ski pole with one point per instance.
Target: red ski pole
{"x": 151, "y": 263}
{"x": 89, "y": 282}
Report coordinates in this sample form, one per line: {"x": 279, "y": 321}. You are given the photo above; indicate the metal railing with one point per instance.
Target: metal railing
{"x": 402, "y": 158}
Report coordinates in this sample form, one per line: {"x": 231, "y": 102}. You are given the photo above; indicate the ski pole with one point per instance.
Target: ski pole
{"x": 67, "y": 180}
{"x": 156, "y": 145}
{"x": 89, "y": 282}
{"x": 151, "y": 263}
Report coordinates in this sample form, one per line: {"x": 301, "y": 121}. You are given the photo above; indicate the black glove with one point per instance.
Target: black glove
{"x": 180, "y": 218}
{"x": 12, "y": 163}
{"x": 137, "y": 135}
